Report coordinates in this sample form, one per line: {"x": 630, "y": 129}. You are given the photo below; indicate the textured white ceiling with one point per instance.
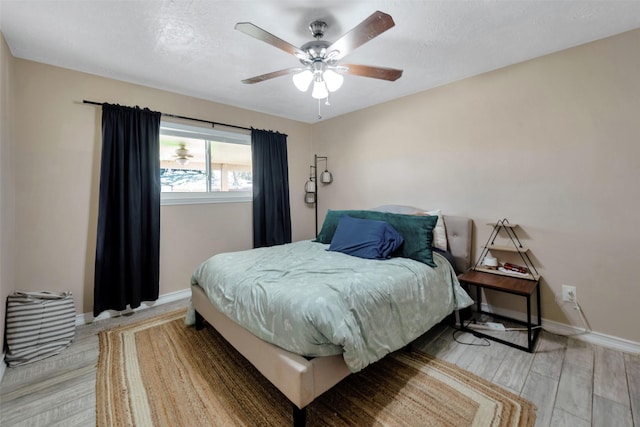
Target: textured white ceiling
{"x": 191, "y": 47}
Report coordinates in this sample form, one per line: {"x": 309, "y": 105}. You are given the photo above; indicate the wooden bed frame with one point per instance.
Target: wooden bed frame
{"x": 301, "y": 379}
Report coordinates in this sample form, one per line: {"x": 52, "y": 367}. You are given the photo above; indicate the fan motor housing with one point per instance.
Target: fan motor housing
{"x": 316, "y": 49}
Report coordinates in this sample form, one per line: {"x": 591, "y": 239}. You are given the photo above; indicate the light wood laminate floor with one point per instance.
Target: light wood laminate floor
{"x": 572, "y": 383}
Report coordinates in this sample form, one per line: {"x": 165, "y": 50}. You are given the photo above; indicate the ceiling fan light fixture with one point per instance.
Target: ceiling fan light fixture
{"x": 319, "y": 90}
{"x": 182, "y": 161}
{"x": 182, "y": 154}
{"x": 320, "y": 58}
{"x": 333, "y": 80}
{"x": 302, "y": 80}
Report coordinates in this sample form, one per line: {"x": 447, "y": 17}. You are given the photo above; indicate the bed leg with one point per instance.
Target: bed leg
{"x": 299, "y": 416}
{"x": 199, "y": 321}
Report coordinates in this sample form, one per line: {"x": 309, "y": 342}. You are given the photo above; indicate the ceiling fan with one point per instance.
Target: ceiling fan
{"x": 320, "y": 58}
{"x": 183, "y": 155}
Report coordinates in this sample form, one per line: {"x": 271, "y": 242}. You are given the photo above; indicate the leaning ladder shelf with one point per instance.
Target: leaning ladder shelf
{"x": 516, "y": 246}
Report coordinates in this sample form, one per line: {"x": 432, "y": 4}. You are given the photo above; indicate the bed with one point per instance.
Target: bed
{"x": 317, "y": 356}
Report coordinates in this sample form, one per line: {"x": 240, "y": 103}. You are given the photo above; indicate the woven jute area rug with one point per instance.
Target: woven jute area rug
{"x": 159, "y": 372}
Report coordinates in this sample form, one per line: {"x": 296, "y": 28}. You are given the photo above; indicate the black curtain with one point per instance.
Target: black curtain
{"x": 271, "y": 209}
{"x": 127, "y": 265}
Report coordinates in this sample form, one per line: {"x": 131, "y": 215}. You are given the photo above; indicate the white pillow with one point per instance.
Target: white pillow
{"x": 439, "y": 232}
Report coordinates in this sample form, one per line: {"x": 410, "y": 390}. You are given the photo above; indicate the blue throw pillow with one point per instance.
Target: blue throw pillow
{"x": 365, "y": 238}
{"x": 417, "y": 231}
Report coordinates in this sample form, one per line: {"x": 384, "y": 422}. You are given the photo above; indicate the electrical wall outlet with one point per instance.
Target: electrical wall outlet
{"x": 569, "y": 293}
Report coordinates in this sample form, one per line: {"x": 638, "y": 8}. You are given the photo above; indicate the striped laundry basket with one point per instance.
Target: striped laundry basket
{"x": 38, "y": 325}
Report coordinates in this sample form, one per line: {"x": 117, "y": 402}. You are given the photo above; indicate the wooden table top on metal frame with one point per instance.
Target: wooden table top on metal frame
{"x": 511, "y": 285}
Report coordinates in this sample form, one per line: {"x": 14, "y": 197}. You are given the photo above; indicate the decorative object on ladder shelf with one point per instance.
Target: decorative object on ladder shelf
{"x": 489, "y": 263}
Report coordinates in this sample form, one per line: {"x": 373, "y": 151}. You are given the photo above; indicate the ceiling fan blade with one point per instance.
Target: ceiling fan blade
{"x": 382, "y": 73}
{"x": 256, "y": 32}
{"x": 373, "y": 26}
{"x": 274, "y": 74}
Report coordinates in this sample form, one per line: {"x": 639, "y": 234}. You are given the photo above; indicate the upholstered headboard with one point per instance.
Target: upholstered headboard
{"x": 459, "y": 233}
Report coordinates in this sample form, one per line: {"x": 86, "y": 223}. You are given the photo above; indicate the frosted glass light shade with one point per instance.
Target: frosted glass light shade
{"x": 326, "y": 177}
{"x": 310, "y": 187}
{"x": 310, "y": 197}
{"x": 333, "y": 80}
{"x": 302, "y": 80}
{"x": 319, "y": 90}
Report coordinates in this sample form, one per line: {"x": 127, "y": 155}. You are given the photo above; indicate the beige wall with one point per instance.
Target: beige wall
{"x": 552, "y": 144}
{"x": 57, "y": 143}
{"x": 6, "y": 181}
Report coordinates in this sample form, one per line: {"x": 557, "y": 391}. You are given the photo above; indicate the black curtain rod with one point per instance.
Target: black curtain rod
{"x": 213, "y": 124}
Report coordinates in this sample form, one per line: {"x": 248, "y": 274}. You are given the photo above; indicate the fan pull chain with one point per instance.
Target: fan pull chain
{"x": 319, "y": 114}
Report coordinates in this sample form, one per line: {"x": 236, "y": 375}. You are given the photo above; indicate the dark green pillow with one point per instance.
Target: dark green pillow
{"x": 416, "y": 230}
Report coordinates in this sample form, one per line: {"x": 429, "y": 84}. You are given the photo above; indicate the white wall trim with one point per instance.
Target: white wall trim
{"x": 171, "y": 199}
{"x": 85, "y": 318}
{"x": 581, "y": 334}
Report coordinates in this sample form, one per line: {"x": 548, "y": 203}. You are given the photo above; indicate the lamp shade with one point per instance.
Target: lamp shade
{"x": 302, "y": 80}
{"x": 326, "y": 177}
{"x": 310, "y": 198}
{"x": 319, "y": 90}
{"x": 333, "y": 80}
{"x": 310, "y": 187}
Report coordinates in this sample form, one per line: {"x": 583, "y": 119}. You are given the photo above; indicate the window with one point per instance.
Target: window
{"x": 202, "y": 165}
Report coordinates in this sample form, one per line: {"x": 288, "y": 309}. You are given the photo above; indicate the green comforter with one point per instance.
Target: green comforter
{"x": 313, "y": 302}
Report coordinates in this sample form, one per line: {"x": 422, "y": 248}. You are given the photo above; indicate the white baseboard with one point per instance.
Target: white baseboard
{"x": 581, "y": 334}
{"x": 84, "y": 318}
